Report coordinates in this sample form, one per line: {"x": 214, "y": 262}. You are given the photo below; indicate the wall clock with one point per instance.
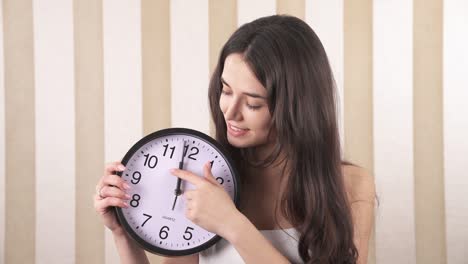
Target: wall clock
{"x": 155, "y": 217}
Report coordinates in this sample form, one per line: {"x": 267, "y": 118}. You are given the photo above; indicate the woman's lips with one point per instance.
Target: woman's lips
{"x": 235, "y": 131}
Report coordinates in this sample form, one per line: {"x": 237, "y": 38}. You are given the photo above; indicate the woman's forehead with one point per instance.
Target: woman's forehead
{"x": 237, "y": 74}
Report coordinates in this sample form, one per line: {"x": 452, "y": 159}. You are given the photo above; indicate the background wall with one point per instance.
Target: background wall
{"x": 82, "y": 80}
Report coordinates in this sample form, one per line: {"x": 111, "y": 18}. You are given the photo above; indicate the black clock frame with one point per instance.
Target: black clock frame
{"x": 168, "y": 132}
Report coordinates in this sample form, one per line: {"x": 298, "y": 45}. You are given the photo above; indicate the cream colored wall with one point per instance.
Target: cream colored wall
{"x": 81, "y": 80}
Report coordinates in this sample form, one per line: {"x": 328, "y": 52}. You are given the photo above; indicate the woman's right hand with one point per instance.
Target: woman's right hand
{"x": 111, "y": 191}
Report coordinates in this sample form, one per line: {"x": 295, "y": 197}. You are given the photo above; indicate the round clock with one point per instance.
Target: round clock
{"x": 155, "y": 217}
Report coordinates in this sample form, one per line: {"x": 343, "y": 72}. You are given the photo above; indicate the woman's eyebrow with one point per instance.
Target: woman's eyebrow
{"x": 254, "y": 95}
{"x": 224, "y": 81}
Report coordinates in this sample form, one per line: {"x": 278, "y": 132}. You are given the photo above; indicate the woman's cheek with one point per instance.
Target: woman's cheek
{"x": 222, "y": 104}
{"x": 225, "y": 103}
{"x": 264, "y": 119}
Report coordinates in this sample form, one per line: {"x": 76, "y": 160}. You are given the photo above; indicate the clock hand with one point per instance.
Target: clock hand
{"x": 178, "y": 191}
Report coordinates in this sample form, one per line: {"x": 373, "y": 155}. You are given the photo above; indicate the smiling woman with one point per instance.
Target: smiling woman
{"x": 272, "y": 99}
{"x": 289, "y": 153}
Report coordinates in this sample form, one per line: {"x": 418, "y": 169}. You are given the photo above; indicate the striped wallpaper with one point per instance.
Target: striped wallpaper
{"x": 82, "y": 80}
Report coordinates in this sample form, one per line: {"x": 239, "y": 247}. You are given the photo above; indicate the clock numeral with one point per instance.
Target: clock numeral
{"x": 163, "y": 233}
{"x": 220, "y": 180}
{"x": 165, "y": 150}
{"x": 135, "y": 200}
{"x": 187, "y": 231}
{"x": 136, "y": 177}
{"x": 151, "y": 161}
{"x": 211, "y": 162}
{"x": 149, "y": 217}
{"x": 193, "y": 154}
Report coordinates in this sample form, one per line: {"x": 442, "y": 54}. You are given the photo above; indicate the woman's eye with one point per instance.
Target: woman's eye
{"x": 254, "y": 107}
{"x": 225, "y": 92}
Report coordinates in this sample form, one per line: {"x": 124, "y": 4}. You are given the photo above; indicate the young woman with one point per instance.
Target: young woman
{"x": 273, "y": 102}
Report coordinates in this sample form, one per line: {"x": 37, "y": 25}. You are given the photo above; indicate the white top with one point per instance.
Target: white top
{"x": 284, "y": 240}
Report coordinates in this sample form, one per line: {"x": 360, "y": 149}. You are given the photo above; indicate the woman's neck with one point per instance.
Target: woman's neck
{"x": 270, "y": 178}
{"x": 261, "y": 197}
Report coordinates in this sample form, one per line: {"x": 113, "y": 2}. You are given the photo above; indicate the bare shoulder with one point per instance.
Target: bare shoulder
{"x": 359, "y": 183}
{"x": 360, "y": 188}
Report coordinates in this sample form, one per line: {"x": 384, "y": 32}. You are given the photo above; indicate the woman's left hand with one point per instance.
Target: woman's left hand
{"x": 208, "y": 205}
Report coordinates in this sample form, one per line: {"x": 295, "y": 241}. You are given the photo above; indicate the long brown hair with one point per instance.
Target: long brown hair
{"x": 289, "y": 60}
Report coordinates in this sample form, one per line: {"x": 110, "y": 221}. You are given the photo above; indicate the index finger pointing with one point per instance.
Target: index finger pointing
{"x": 187, "y": 176}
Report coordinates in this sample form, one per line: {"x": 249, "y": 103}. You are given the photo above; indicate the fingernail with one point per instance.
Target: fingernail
{"x": 121, "y": 167}
{"x": 173, "y": 170}
{"x": 125, "y": 205}
{"x": 127, "y": 197}
{"x": 126, "y": 186}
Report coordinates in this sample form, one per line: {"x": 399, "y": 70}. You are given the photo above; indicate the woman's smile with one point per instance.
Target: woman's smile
{"x": 236, "y": 131}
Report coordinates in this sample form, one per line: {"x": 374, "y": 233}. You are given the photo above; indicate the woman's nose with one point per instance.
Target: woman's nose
{"x": 232, "y": 112}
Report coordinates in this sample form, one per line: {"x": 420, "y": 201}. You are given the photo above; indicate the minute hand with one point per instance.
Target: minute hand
{"x": 178, "y": 191}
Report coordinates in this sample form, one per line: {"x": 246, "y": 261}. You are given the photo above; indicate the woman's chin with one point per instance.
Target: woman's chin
{"x": 238, "y": 143}
{"x": 245, "y": 142}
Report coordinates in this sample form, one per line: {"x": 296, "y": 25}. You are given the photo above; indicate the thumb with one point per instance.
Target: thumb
{"x": 208, "y": 175}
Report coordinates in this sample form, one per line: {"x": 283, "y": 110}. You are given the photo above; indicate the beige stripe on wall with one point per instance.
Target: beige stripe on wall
{"x": 293, "y": 7}
{"x": 20, "y": 190}
{"x": 2, "y": 142}
{"x": 156, "y": 56}
{"x": 428, "y": 132}
{"x": 358, "y": 82}
{"x": 89, "y": 103}
{"x": 222, "y": 23}
{"x": 156, "y": 70}
{"x": 358, "y": 117}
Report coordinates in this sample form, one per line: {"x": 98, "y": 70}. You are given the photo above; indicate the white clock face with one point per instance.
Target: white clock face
{"x": 154, "y": 214}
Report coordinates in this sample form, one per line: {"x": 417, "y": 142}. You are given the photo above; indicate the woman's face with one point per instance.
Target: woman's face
{"x": 243, "y": 102}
